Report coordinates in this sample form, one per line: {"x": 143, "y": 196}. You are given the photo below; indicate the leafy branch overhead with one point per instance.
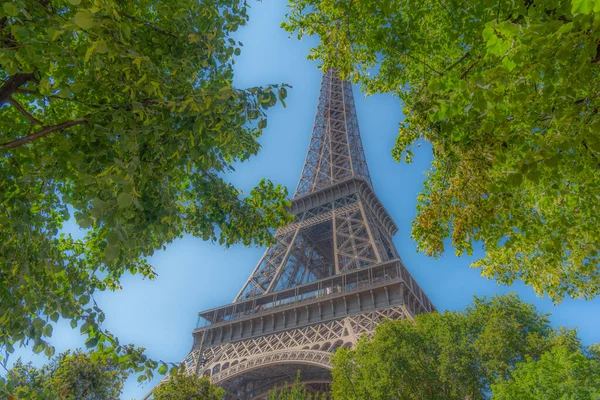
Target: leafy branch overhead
{"x": 507, "y": 93}
{"x": 121, "y": 117}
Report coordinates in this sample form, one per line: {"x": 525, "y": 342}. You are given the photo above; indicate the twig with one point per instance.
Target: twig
{"x": 149, "y": 25}
{"x": 420, "y": 61}
{"x": 591, "y": 153}
{"x": 469, "y": 68}
{"x": 587, "y": 98}
{"x": 447, "y": 9}
{"x": 454, "y": 64}
{"x": 23, "y": 111}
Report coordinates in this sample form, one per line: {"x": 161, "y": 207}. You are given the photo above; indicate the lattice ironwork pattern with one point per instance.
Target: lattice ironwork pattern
{"x": 319, "y": 358}
{"x": 310, "y": 345}
{"x": 297, "y": 338}
{"x": 335, "y": 152}
{"x": 337, "y": 237}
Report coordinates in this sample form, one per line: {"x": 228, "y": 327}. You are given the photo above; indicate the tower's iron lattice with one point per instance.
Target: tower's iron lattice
{"x": 331, "y": 277}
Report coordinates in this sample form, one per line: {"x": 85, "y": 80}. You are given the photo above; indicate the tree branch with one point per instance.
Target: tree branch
{"x": 149, "y": 25}
{"x": 41, "y": 133}
{"x": 454, "y": 64}
{"x": 12, "y": 84}
{"x": 469, "y": 68}
{"x": 591, "y": 153}
{"x": 597, "y": 58}
{"x": 145, "y": 102}
{"x": 407, "y": 55}
{"x": 23, "y": 111}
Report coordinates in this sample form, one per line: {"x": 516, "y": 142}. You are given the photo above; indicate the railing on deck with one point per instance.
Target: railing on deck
{"x": 335, "y": 285}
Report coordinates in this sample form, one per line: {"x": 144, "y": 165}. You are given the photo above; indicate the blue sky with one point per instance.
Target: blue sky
{"x": 194, "y": 275}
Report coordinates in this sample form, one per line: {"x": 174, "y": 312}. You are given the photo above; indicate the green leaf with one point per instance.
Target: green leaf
{"x": 75, "y": 2}
{"x": 497, "y": 46}
{"x": 101, "y": 47}
{"x": 91, "y": 342}
{"x": 282, "y": 93}
{"x": 38, "y": 348}
{"x": 78, "y": 290}
{"x": 163, "y": 369}
{"x": 488, "y": 33}
{"x": 11, "y": 9}
{"x": 111, "y": 252}
{"x": 77, "y": 88}
{"x": 508, "y": 64}
{"x": 124, "y": 200}
{"x": 99, "y": 204}
{"x": 84, "y": 19}
{"x": 434, "y": 86}
{"x": 85, "y": 222}
{"x": 515, "y": 179}
{"x": 47, "y": 330}
{"x": 38, "y": 323}
{"x": 112, "y": 237}
{"x": 49, "y": 351}
{"x": 73, "y": 323}
{"x": 509, "y": 29}
{"x": 533, "y": 176}
{"x": 63, "y": 93}
{"x": 568, "y": 27}
{"x": 126, "y": 29}
{"x": 582, "y": 6}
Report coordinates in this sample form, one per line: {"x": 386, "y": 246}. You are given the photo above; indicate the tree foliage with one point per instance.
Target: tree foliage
{"x": 295, "y": 391}
{"x": 561, "y": 373}
{"x": 454, "y": 355}
{"x": 189, "y": 387}
{"x": 122, "y": 117}
{"x": 90, "y": 376}
{"x": 507, "y": 93}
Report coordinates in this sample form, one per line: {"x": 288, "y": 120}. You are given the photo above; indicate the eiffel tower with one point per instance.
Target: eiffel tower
{"x": 331, "y": 276}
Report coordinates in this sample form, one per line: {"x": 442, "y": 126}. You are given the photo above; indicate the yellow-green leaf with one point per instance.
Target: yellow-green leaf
{"x": 84, "y": 19}
{"x": 11, "y": 9}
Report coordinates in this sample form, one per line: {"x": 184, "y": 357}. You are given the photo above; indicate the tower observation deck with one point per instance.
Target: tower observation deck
{"x": 331, "y": 276}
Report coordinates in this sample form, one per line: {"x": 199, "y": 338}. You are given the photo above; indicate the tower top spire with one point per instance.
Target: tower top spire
{"x": 335, "y": 152}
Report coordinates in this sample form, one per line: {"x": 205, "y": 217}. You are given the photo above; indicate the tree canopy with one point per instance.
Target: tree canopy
{"x": 454, "y": 355}
{"x": 90, "y": 376}
{"x": 121, "y": 117}
{"x": 559, "y": 374}
{"x": 507, "y": 93}
{"x": 190, "y": 387}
